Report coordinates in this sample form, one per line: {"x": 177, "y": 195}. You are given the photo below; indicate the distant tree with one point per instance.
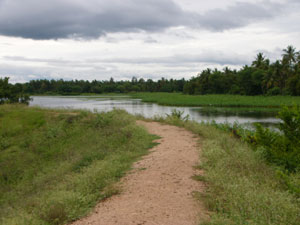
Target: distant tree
{"x": 290, "y": 55}
{"x": 12, "y": 93}
{"x": 259, "y": 61}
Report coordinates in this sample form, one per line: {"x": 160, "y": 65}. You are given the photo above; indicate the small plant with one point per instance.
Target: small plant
{"x": 178, "y": 115}
{"x": 55, "y": 214}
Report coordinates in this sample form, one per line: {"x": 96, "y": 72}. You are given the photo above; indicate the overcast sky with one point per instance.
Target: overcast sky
{"x": 99, "y": 39}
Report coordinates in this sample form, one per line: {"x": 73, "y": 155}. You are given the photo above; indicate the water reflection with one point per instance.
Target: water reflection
{"x": 149, "y": 110}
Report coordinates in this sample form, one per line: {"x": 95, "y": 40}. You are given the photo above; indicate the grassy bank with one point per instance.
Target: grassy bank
{"x": 241, "y": 188}
{"x": 55, "y": 165}
{"x": 178, "y": 99}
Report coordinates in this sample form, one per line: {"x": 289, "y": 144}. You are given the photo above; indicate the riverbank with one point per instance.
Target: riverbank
{"x": 57, "y": 164}
{"x": 241, "y": 188}
{"x": 179, "y": 99}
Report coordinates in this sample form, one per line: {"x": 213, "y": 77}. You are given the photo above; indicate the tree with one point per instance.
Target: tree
{"x": 289, "y": 56}
{"x": 259, "y": 61}
{"x": 11, "y": 94}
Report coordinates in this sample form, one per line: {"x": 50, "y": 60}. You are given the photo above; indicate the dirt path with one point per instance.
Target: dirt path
{"x": 158, "y": 191}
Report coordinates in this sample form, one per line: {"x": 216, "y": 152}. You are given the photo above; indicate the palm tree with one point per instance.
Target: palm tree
{"x": 278, "y": 77}
{"x": 269, "y": 81}
{"x": 289, "y": 55}
{"x": 259, "y": 60}
{"x": 298, "y": 59}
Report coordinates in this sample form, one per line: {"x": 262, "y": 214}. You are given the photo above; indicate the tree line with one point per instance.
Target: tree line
{"x": 262, "y": 77}
{"x": 72, "y": 87}
{"x": 281, "y": 77}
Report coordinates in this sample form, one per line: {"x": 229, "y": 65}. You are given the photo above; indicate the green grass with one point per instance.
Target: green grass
{"x": 241, "y": 188}
{"x": 56, "y": 165}
{"x": 178, "y": 99}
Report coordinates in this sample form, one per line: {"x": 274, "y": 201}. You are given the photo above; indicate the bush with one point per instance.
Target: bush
{"x": 282, "y": 148}
{"x": 11, "y": 94}
{"x": 177, "y": 114}
{"x": 274, "y": 91}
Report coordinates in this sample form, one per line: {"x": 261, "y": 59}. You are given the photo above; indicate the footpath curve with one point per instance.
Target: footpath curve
{"x": 159, "y": 189}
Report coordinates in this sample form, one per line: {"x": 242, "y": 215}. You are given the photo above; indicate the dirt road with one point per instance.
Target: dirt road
{"x": 158, "y": 191}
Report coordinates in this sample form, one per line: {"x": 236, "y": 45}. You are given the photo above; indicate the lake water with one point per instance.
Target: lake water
{"x": 246, "y": 116}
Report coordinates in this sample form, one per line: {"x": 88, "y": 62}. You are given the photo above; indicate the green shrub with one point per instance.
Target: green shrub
{"x": 274, "y": 91}
{"x": 177, "y": 114}
{"x": 12, "y": 94}
{"x": 282, "y": 148}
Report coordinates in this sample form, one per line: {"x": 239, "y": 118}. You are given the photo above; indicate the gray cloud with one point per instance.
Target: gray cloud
{"x": 238, "y": 15}
{"x": 88, "y": 19}
{"x": 55, "y": 19}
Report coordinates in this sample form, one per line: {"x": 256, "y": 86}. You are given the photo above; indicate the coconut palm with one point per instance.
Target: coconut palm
{"x": 259, "y": 60}
{"x": 289, "y": 56}
{"x": 278, "y": 77}
{"x": 298, "y": 59}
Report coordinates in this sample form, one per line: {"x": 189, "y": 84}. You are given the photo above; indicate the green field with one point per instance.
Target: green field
{"x": 56, "y": 165}
{"x": 178, "y": 99}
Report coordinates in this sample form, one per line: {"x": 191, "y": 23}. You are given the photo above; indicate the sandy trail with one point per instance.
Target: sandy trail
{"x": 158, "y": 191}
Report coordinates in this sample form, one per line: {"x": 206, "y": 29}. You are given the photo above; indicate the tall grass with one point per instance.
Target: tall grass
{"x": 241, "y": 188}
{"x": 55, "y": 165}
{"x": 178, "y": 99}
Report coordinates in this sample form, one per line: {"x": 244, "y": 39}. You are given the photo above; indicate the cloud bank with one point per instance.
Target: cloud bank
{"x": 57, "y": 19}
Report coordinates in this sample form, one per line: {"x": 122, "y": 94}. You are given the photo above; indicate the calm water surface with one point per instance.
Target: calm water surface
{"x": 246, "y": 116}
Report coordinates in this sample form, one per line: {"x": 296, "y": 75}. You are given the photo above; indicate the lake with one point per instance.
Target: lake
{"x": 245, "y": 116}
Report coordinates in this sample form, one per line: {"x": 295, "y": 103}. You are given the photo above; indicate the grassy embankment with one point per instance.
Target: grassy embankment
{"x": 241, "y": 188}
{"x": 55, "y": 165}
{"x": 178, "y": 99}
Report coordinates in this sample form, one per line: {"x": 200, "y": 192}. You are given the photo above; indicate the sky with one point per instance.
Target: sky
{"x": 150, "y": 39}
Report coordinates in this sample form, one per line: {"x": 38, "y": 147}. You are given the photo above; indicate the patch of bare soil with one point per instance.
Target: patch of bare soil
{"x": 159, "y": 189}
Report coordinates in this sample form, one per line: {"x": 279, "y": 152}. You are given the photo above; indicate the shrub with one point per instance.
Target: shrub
{"x": 177, "y": 114}
{"x": 274, "y": 91}
{"x": 11, "y": 94}
{"x": 282, "y": 148}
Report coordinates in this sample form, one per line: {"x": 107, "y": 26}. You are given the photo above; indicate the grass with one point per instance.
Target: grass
{"x": 241, "y": 188}
{"x": 55, "y": 165}
{"x": 178, "y": 99}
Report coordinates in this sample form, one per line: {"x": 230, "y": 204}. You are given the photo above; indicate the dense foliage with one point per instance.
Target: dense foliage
{"x": 12, "y": 93}
{"x": 80, "y": 86}
{"x": 261, "y": 78}
{"x": 282, "y": 148}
